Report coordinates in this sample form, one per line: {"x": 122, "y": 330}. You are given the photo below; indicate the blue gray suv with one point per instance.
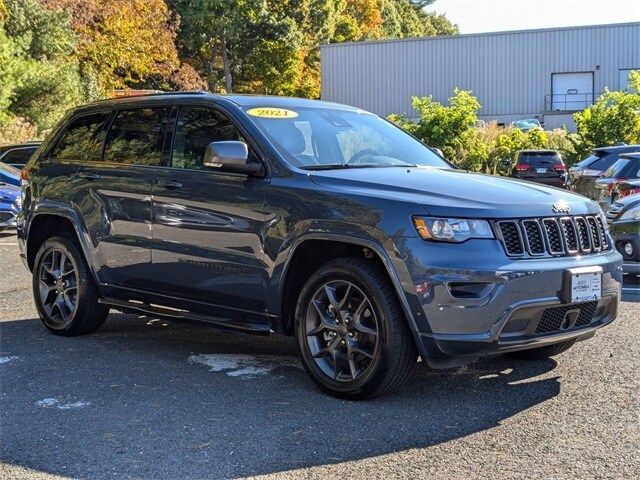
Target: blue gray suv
{"x": 321, "y": 221}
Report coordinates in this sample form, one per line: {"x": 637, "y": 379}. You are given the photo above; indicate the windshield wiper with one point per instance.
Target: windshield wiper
{"x": 331, "y": 166}
{"x": 327, "y": 166}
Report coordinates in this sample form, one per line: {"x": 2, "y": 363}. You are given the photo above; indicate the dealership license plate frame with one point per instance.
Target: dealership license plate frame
{"x": 582, "y": 285}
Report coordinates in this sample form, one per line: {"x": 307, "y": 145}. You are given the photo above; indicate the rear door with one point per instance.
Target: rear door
{"x": 208, "y": 225}
{"x": 115, "y": 195}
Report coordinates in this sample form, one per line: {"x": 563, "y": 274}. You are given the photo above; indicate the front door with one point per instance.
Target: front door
{"x": 207, "y": 228}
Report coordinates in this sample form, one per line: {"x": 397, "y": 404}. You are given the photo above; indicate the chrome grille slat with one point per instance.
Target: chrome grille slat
{"x": 552, "y": 236}
{"x": 552, "y": 232}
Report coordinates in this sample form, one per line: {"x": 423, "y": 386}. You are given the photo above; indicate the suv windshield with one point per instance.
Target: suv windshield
{"x": 318, "y": 138}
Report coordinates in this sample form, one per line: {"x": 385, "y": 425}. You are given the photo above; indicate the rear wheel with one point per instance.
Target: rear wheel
{"x": 542, "y": 353}
{"x": 65, "y": 294}
{"x": 351, "y": 332}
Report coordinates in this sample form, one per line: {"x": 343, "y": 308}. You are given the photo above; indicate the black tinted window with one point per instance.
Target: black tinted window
{"x": 604, "y": 162}
{"x": 82, "y": 139}
{"x": 539, "y": 159}
{"x": 14, "y": 156}
{"x": 198, "y": 127}
{"x": 136, "y": 136}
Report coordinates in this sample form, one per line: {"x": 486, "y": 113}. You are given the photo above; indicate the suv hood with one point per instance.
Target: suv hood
{"x": 454, "y": 193}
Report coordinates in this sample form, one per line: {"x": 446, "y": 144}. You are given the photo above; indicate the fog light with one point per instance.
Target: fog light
{"x": 628, "y": 248}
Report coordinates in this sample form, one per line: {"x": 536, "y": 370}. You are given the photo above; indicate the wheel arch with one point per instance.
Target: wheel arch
{"x": 49, "y": 220}
{"x": 288, "y": 287}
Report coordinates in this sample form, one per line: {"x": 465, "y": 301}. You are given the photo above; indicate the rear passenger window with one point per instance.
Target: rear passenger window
{"x": 197, "y": 128}
{"x": 82, "y": 139}
{"x": 136, "y": 136}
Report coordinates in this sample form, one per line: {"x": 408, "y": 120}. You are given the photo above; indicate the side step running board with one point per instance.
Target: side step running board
{"x": 183, "y": 315}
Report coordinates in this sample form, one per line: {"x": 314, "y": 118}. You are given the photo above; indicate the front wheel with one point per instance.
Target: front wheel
{"x": 351, "y": 331}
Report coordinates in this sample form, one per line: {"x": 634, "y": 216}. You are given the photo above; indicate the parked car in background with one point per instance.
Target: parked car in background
{"x": 626, "y": 168}
{"x": 541, "y": 166}
{"x": 9, "y": 174}
{"x": 583, "y": 175}
{"x": 10, "y": 203}
{"x": 527, "y": 124}
{"x": 19, "y": 154}
{"x": 625, "y": 188}
{"x": 624, "y": 225}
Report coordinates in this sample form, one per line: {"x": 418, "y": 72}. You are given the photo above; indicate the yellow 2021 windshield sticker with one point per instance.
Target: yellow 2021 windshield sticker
{"x": 272, "y": 112}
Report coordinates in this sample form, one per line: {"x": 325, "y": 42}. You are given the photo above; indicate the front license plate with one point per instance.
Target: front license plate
{"x": 585, "y": 284}
{"x": 541, "y": 170}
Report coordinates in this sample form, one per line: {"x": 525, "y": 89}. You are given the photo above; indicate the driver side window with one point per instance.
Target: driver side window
{"x": 197, "y": 127}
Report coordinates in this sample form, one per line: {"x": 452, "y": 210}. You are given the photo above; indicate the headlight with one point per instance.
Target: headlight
{"x": 452, "y": 229}
{"x": 631, "y": 214}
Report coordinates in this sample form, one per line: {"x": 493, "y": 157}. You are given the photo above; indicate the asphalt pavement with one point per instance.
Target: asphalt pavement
{"x": 147, "y": 398}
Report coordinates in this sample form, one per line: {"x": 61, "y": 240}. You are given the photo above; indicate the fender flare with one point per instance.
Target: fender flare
{"x": 376, "y": 247}
{"x": 63, "y": 210}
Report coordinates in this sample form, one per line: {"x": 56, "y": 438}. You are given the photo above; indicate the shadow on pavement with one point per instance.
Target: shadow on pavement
{"x": 147, "y": 398}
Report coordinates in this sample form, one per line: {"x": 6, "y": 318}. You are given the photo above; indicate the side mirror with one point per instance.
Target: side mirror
{"x": 230, "y": 156}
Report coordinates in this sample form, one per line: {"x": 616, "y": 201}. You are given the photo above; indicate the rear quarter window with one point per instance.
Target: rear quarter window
{"x": 81, "y": 139}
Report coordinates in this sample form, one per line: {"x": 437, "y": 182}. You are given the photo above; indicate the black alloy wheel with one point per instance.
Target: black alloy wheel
{"x": 351, "y": 331}
{"x": 341, "y": 330}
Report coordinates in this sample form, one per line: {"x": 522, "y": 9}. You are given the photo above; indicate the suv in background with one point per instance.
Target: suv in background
{"x": 312, "y": 219}
{"x": 624, "y": 218}
{"x": 541, "y": 166}
{"x": 627, "y": 168}
{"x": 19, "y": 154}
{"x": 583, "y": 175}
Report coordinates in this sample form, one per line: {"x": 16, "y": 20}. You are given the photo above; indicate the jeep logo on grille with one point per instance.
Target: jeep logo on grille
{"x": 561, "y": 207}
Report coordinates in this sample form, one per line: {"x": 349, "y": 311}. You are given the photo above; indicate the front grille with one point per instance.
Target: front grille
{"x": 552, "y": 236}
{"x": 567, "y": 316}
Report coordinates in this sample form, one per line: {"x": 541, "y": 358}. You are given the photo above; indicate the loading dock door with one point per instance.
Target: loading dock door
{"x": 572, "y": 91}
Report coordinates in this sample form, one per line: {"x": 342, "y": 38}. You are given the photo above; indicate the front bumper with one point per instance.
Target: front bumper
{"x": 467, "y": 296}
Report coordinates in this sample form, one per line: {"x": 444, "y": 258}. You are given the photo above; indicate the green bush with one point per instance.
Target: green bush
{"x": 491, "y": 148}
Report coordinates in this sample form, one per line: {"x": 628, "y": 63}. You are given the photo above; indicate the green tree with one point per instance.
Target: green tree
{"x": 39, "y": 76}
{"x": 613, "y": 118}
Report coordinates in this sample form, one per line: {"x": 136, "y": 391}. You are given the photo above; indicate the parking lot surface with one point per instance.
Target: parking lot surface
{"x": 147, "y": 398}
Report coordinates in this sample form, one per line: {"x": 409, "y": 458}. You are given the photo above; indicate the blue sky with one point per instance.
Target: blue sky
{"x": 474, "y": 16}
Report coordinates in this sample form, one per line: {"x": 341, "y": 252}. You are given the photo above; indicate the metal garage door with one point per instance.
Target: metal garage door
{"x": 572, "y": 91}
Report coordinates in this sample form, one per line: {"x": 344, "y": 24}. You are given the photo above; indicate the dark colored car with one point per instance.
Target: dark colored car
{"x": 584, "y": 174}
{"x": 18, "y": 155}
{"x": 625, "y": 169}
{"x": 624, "y": 216}
{"x": 541, "y": 166}
{"x": 266, "y": 214}
{"x": 10, "y": 203}
{"x": 9, "y": 174}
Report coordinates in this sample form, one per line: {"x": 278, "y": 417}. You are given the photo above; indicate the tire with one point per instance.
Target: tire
{"x": 354, "y": 375}
{"x": 542, "y": 353}
{"x": 54, "y": 292}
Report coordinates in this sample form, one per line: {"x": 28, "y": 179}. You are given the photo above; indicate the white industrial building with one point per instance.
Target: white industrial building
{"x": 546, "y": 74}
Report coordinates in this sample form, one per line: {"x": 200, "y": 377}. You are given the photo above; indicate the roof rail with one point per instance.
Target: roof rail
{"x": 154, "y": 93}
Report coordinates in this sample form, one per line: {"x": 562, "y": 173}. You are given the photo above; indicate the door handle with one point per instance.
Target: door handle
{"x": 170, "y": 184}
{"x": 89, "y": 175}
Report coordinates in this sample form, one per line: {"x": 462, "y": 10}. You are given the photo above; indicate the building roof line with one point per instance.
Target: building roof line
{"x": 481, "y": 34}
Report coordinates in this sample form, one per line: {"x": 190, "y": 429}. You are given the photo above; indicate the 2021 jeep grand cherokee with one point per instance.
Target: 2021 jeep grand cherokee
{"x": 312, "y": 219}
